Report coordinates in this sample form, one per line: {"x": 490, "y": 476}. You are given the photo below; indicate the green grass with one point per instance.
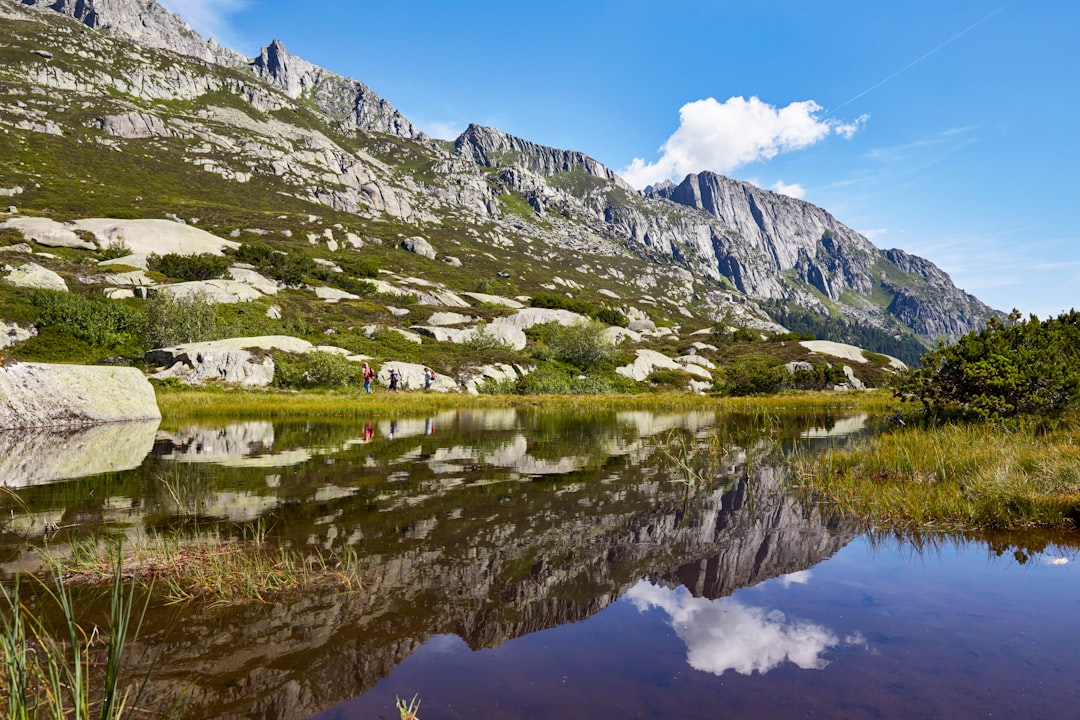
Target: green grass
{"x": 956, "y": 476}
{"x": 71, "y": 672}
{"x": 208, "y": 566}
{"x": 179, "y": 403}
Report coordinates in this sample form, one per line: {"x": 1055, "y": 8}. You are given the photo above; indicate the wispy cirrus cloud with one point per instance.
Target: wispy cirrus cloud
{"x": 722, "y": 136}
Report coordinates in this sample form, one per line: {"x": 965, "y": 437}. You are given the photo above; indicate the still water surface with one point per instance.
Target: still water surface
{"x": 526, "y": 564}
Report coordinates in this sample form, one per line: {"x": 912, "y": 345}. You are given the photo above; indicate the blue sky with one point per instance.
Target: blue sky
{"x": 947, "y": 129}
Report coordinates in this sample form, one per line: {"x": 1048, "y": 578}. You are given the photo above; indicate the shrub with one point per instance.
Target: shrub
{"x": 188, "y": 267}
{"x": 288, "y": 268}
{"x": 507, "y": 386}
{"x": 115, "y": 249}
{"x": 556, "y": 379}
{"x": 484, "y": 341}
{"x": 611, "y": 316}
{"x": 561, "y": 302}
{"x": 582, "y": 345}
{"x": 792, "y": 337}
{"x": 1005, "y": 370}
{"x": 173, "y": 320}
{"x": 725, "y": 334}
{"x": 752, "y": 375}
{"x": 99, "y": 323}
{"x": 345, "y": 282}
{"x": 667, "y": 378}
{"x": 316, "y": 369}
{"x": 359, "y": 267}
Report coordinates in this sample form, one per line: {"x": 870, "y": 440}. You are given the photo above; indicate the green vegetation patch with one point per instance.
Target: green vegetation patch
{"x": 1027, "y": 367}
{"x": 955, "y": 476}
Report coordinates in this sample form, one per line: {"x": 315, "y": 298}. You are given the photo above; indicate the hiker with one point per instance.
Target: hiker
{"x": 369, "y": 375}
{"x": 429, "y": 377}
{"x": 395, "y": 380}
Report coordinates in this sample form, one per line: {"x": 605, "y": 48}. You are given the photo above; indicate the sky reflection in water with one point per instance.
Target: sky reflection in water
{"x": 727, "y": 634}
{"x": 538, "y": 565}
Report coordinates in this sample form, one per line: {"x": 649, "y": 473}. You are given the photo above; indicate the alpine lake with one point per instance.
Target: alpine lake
{"x": 522, "y": 563}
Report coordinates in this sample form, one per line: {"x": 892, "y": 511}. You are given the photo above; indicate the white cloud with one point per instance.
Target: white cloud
{"x": 725, "y": 634}
{"x": 722, "y": 136}
{"x": 873, "y": 234}
{"x": 209, "y": 17}
{"x": 794, "y": 190}
{"x": 796, "y": 578}
{"x": 847, "y": 130}
{"x": 441, "y": 130}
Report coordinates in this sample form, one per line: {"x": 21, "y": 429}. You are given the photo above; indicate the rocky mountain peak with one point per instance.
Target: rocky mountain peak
{"x": 342, "y": 98}
{"x": 144, "y": 21}
{"x": 494, "y": 148}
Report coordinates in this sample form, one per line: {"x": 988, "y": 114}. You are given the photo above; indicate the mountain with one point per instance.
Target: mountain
{"x": 116, "y": 108}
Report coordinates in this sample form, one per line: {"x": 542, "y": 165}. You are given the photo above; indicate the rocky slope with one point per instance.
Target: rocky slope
{"x": 175, "y": 126}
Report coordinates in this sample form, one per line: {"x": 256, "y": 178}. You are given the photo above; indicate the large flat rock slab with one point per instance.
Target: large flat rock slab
{"x": 41, "y": 395}
{"x": 155, "y": 236}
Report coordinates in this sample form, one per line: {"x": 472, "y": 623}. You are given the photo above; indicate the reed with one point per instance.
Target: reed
{"x": 73, "y": 674}
{"x": 209, "y": 566}
{"x": 408, "y": 710}
{"x": 954, "y": 476}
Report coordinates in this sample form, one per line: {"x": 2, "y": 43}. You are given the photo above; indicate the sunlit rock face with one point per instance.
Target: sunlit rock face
{"x": 42, "y": 395}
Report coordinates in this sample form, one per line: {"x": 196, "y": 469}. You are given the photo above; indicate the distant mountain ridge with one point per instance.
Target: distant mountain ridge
{"x": 737, "y": 239}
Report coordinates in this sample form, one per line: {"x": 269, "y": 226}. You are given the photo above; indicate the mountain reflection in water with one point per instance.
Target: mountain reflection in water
{"x": 486, "y": 526}
{"x": 527, "y": 564}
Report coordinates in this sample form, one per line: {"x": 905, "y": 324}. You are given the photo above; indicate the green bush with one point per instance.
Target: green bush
{"x": 288, "y": 268}
{"x": 316, "y": 369}
{"x": 188, "y": 267}
{"x": 343, "y": 281}
{"x": 611, "y": 316}
{"x": 115, "y": 249}
{"x": 722, "y": 333}
{"x": 751, "y": 375}
{"x": 556, "y": 379}
{"x": 561, "y": 302}
{"x": 359, "y": 267}
{"x": 173, "y": 321}
{"x": 582, "y": 345}
{"x": 668, "y": 379}
{"x": 99, "y": 323}
{"x": 484, "y": 341}
{"x": 1006, "y": 370}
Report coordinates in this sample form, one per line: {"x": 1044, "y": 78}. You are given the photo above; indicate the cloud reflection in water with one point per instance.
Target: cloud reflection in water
{"x": 726, "y": 634}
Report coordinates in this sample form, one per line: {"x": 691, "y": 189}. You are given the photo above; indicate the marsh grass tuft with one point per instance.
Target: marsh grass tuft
{"x": 408, "y": 710}
{"x": 209, "y": 566}
{"x": 74, "y": 673}
{"x": 952, "y": 476}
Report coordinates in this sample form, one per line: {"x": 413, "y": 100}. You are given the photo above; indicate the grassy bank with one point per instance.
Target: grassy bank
{"x": 956, "y": 476}
{"x": 190, "y": 403}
